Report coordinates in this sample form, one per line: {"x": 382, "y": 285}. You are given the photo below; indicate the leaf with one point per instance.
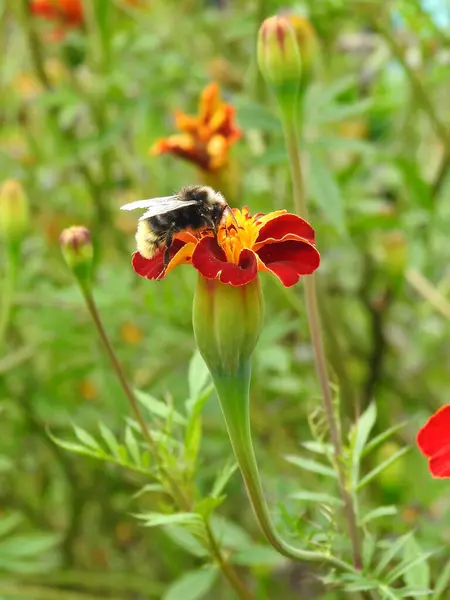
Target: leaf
{"x": 376, "y": 513}
{"x": 9, "y": 522}
{"x": 379, "y": 439}
{"x": 184, "y": 539}
{"x": 150, "y": 487}
{"x": 325, "y": 190}
{"x": 86, "y": 438}
{"x": 368, "y": 550}
{"x": 192, "y": 586}
{"x": 391, "y": 552}
{"x": 384, "y": 465}
{"x": 311, "y": 465}
{"x": 319, "y": 497}
{"x": 222, "y": 478}
{"x": 25, "y": 546}
{"x": 442, "y": 582}
{"x": 198, "y": 376}
{"x": 110, "y": 440}
{"x": 158, "y": 408}
{"x": 229, "y": 534}
{"x": 132, "y": 446}
{"x": 417, "y": 575}
{"x": 258, "y": 555}
{"x": 414, "y": 183}
{"x": 363, "y": 428}
{"x": 318, "y": 447}
{"x": 158, "y": 519}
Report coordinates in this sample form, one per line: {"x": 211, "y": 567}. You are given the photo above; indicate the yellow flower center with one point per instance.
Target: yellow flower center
{"x": 233, "y": 239}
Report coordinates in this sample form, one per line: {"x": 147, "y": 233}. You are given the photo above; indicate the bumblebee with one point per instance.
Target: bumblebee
{"x": 195, "y": 207}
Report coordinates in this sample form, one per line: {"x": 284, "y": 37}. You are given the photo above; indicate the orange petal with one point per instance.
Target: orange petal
{"x": 184, "y": 255}
{"x": 209, "y": 102}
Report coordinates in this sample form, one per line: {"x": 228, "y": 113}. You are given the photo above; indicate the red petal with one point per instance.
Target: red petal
{"x": 289, "y": 260}
{"x": 439, "y": 464}
{"x": 286, "y": 224}
{"x": 435, "y": 434}
{"x": 153, "y": 268}
{"x": 210, "y": 261}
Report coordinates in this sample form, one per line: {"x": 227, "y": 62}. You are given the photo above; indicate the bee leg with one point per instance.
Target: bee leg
{"x": 169, "y": 240}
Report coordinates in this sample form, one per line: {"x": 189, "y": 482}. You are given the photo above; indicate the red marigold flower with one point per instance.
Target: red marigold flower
{"x": 279, "y": 243}
{"x": 206, "y": 138}
{"x": 68, "y": 12}
{"x": 433, "y": 441}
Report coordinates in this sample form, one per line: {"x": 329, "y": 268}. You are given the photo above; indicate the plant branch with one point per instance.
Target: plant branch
{"x": 291, "y": 138}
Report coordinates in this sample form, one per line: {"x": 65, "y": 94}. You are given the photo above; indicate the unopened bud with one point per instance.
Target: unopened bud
{"x": 76, "y": 247}
{"x": 279, "y": 58}
{"x": 306, "y": 40}
{"x": 14, "y": 211}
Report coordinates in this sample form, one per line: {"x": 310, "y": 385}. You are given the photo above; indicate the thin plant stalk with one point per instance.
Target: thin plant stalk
{"x": 233, "y": 392}
{"x": 7, "y": 296}
{"x": 291, "y": 137}
{"x": 183, "y": 503}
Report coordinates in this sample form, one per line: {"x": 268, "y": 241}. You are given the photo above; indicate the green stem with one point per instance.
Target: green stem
{"x": 8, "y": 287}
{"x": 179, "y": 497}
{"x": 227, "y": 570}
{"x": 233, "y": 391}
{"x": 291, "y": 138}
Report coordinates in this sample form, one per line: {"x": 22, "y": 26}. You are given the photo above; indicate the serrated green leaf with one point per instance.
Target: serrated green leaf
{"x": 376, "y": 513}
{"x": 318, "y": 447}
{"x": 368, "y": 550}
{"x": 361, "y": 435}
{"x": 311, "y": 465}
{"x": 382, "y": 437}
{"x": 319, "y": 497}
{"x": 415, "y": 569}
{"x": 198, "y": 377}
{"x": 73, "y": 447}
{"x": 392, "y": 551}
{"x": 222, "y": 478}
{"x": 158, "y": 519}
{"x": 384, "y": 465}
{"x": 132, "y": 446}
{"x": 158, "y": 408}
{"x": 150, "y": 487}
{"x": 86, "y": 438}
{"x": 110, "y": 440}
{"x": 192, "y": 586}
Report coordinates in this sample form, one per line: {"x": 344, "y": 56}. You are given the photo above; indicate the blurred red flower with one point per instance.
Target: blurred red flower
{"x": 433, "y": 441}
{"x": 278, "y": 243}
{"x": 68, "y": 12}
{"x": 205, "y": 139}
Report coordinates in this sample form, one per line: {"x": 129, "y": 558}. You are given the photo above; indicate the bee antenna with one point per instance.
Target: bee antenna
{"x": 230, "y": 210}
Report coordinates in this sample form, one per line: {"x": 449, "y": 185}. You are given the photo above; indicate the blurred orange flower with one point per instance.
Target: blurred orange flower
{"x": 205, "y": 139}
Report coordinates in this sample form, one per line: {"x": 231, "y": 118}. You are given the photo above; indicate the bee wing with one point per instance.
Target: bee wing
{"x": 145, "y": 203}
{"x": 158, "y": 206}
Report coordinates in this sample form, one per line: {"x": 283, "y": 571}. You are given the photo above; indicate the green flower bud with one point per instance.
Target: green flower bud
{"x": 14, "y": 211}
{"x": 77, "y": 249}
{"x": 279, "y": 59}
{"x": 227, "y": 322}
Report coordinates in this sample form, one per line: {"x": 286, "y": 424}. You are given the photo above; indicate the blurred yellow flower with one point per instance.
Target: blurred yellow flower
{"x": 130, "y": 333}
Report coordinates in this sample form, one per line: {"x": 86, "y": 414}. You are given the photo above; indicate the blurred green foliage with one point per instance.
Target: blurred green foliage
{"x": 78, "y": 115}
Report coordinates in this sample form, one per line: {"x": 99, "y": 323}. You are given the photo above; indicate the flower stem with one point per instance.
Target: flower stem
{"x": 233, "y": 391}
{"x": 291, "y": 137}
{"x": 179, "y": 497}
{"x": 8, "y": 287}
